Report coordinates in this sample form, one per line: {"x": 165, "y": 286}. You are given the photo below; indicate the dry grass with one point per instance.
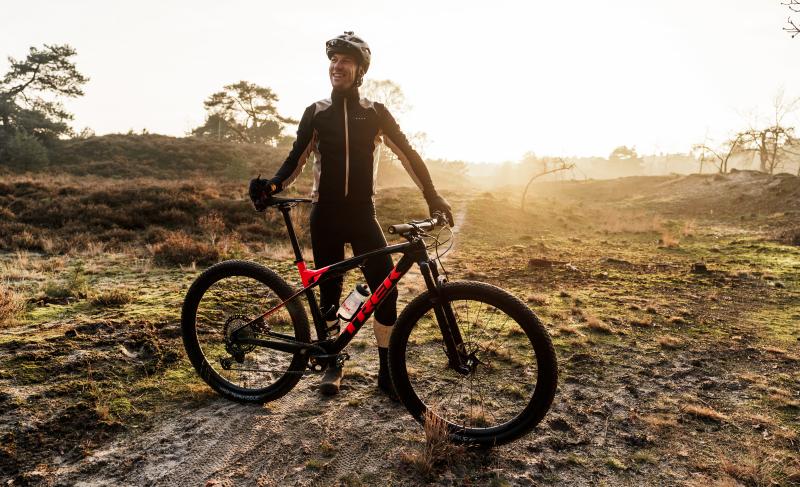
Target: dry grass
{"x": 689, "y": 228}
{"x": 568, "y": 330}
{"x": 641, "y": 322}
{"x": 676, "y": 320}
{"x": 764, "y": 469}
{"x": 659, "y": 423}
{"x": 611, "y": 221}
{"x": 11, "y": 305}
{"x": 94, "y": 248}
{"x": 438, "y": 448}
{"x": 112, "y": 297}
{"x": 539, "y": 299}
{"x": 667, "y": 240}
{"x": 705, "y": 413}
{"x": 669, "y": 342}
{"x": 597, "y": 325}
{"x": 180, "y": 249}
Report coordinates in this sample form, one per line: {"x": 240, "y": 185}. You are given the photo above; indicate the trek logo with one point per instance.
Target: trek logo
{"x": 374, "y": 300}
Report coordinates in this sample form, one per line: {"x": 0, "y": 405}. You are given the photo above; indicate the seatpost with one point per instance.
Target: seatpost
{"x": 298, "y": 255}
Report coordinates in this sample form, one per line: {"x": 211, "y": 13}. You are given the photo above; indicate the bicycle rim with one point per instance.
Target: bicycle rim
{"x": 497, "y": 393}
{"x": 226, "y": 305}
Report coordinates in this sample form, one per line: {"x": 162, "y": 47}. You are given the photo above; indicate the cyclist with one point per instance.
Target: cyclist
{"x": 343, "y": 132}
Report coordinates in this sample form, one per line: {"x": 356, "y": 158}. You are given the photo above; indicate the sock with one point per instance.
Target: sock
{"x": 384, "y": 381}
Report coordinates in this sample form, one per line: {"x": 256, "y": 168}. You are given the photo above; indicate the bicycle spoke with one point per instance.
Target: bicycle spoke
{"x": 500, "y": 385}
{"x": 224, "y": 307}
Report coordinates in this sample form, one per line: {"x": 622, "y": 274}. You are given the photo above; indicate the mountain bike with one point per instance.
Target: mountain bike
{"x": 467, "y": 353}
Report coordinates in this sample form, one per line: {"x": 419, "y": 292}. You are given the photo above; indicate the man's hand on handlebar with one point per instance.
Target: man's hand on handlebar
{"x": 437, "y": 219}
{"x": 440, "y": 218}
{"x": 437, "y": 204}
{"x": 260, "y": 192}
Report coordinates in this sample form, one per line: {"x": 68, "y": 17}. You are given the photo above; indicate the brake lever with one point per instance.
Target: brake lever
{"x": 440, "y": 218}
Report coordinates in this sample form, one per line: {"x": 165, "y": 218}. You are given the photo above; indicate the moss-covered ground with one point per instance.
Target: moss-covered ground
{"x": 677, "y": 334}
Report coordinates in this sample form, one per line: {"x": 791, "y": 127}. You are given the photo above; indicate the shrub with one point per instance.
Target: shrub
{"x": 790, "y": 236}
{"x": 179, "y": 249}
{"x": 213, "y": 226}
{"x": 112, "y": 297}
{"x": 25, "y": 152}
{"x": 75, "y": 285}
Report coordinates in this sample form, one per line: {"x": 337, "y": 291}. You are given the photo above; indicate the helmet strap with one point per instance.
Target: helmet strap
{"x": 359, "y": 76}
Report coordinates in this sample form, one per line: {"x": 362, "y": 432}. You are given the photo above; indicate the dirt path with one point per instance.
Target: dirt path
{"x": 289, "y": 442}
{"x": 302, "y": 439}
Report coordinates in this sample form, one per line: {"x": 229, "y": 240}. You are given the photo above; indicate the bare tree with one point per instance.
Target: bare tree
{"x": 561, "y": 165}
{"x": 389, "y": 94}
{"x": 721, "y": 155}
{"x": 793, "y": 28}
{"x": 773, "y": 143}
{"x": 386, "y": 92}
{"x": 420, "y": 141}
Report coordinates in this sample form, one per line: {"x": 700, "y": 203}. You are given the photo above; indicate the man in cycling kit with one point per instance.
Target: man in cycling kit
{"x": 344, "y": 132}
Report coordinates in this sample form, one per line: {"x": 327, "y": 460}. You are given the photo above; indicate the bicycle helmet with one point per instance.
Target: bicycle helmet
{"x": 349, "y": 43}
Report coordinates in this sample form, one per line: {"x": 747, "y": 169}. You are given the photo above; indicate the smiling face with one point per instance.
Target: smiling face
{"x": 343, "y": 71}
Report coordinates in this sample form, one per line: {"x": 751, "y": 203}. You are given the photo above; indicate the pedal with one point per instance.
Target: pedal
{"x": 341, "y": 358}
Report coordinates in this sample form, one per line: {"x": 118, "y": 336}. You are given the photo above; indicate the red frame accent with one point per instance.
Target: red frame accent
{"x": 369, "y": 306}
{"x": 310, "y": 276}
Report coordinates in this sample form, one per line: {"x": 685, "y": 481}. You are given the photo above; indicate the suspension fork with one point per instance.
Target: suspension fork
{"x": 445, "y": 317}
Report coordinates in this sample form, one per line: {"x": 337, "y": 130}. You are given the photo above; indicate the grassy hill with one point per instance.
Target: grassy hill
{"x": 162, "y": 157}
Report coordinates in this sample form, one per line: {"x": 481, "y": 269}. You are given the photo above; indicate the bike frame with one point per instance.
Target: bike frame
{"x": 413, "y": 251}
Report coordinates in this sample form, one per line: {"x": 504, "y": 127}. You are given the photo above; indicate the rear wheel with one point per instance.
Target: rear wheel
{"x": 216, "y": 312}
{"x": 513, "y": 372}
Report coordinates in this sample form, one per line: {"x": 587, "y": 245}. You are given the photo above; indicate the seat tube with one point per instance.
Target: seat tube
{"x": 298, "y": 255}
{"x": 316, "y": 314}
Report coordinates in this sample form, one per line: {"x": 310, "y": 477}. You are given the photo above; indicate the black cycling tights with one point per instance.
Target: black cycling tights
{"x": 333, "y": 225}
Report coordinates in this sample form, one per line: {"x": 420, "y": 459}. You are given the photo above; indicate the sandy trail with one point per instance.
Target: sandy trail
{"x": 301, "y": 439}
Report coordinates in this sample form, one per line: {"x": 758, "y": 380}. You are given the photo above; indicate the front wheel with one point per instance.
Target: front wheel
{"x": 513, "y": 372}
{"x": 217, "y": 311}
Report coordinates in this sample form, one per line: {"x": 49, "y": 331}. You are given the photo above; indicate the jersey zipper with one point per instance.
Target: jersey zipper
{"x": 346, "y": 151}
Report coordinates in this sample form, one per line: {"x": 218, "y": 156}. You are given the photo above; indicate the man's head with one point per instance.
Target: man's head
{"x": 350, "y": 57}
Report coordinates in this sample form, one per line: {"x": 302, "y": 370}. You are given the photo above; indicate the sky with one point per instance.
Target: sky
{"x": 486, "y": 81}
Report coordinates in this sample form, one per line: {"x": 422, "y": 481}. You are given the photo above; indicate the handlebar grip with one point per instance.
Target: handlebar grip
{"x": 400, "y": 228}
{"x": 424, "y": 225}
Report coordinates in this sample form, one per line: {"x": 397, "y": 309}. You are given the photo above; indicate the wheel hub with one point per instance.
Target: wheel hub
{"x": 235, "y": 329}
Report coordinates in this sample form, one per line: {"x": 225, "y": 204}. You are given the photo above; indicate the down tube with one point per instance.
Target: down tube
{"x": 372, "y": 302}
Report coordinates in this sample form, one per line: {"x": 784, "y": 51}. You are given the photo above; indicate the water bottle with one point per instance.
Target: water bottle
{"x": 351, "y": 305}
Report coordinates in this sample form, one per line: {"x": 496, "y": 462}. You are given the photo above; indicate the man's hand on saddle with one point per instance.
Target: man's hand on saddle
{"x": 261, "y": 190}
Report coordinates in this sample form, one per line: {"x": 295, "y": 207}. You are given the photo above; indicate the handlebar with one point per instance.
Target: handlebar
{"x": 418, "y": 225}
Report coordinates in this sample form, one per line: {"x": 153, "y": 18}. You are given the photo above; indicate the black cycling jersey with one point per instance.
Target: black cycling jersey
{"x": 344, "y": 132}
